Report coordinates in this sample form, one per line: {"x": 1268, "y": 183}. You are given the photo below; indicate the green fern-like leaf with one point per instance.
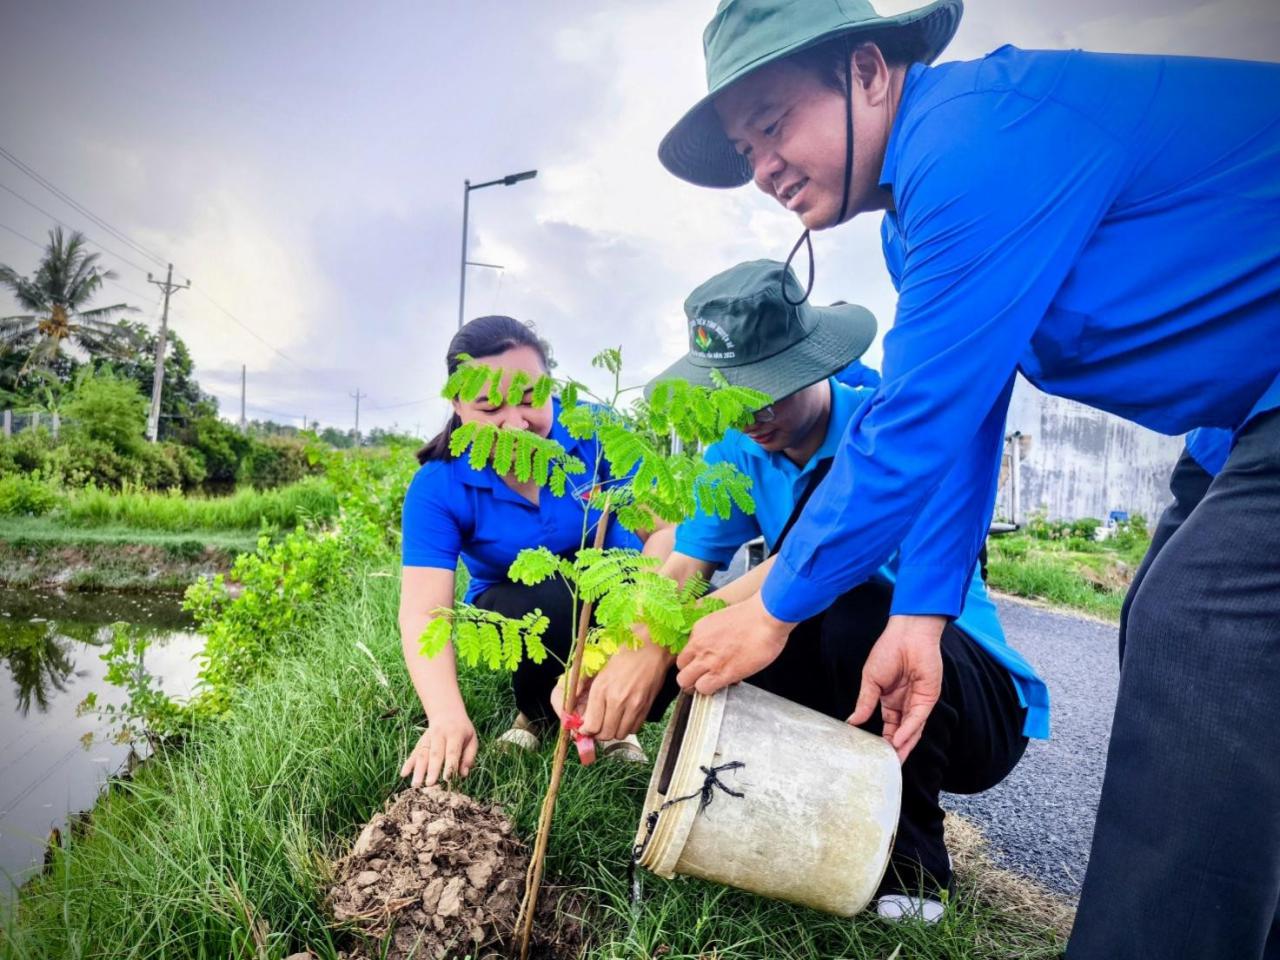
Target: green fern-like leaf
{"x": 504, "y": 451}
{"x": 579, "y": 421}
{"x": 524, "y": 460}
{"x": 461, "y": 438}
{"x": 520, "y": 382}
{"x": 533, "y": 565}
{"x": 610, "y": 360}
{"x": 437, "y": 634}
{"x": 569, "y": 393}
{"x": 542, "y": 388}
{"x": 535, "y": 625}
{"x": 482, "y": 446}
{"x": 494, "y": 390}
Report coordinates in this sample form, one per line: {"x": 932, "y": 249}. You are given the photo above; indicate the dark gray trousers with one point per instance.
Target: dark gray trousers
{"x": 1185, "y": 862}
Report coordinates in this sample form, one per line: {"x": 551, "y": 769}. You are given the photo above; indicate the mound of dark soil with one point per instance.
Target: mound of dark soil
{"x": 436, "y": 875}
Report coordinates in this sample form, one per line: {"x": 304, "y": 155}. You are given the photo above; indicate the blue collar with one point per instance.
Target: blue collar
{"x": 889, "y": 168}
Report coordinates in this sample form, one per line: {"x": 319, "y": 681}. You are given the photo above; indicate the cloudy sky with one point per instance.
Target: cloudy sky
{"x": 302, "y": 164}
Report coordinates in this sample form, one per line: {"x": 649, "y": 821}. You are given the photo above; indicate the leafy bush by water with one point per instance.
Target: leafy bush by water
{"x": 22, "y": 496}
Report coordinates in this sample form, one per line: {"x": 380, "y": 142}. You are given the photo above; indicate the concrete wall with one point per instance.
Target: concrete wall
{"x": 1074, "y": 461}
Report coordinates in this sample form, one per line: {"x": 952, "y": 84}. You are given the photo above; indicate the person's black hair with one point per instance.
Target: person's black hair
{"x": 482, "y": 337}
{"x": 830, "y": 59}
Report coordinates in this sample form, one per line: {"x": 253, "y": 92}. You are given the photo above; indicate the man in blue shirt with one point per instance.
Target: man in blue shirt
{"x": 992, "y": 700}
{"x": 1109, "y": 226}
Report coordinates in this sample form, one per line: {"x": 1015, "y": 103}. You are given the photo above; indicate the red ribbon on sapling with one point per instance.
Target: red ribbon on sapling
{"x": 586, "y": 745}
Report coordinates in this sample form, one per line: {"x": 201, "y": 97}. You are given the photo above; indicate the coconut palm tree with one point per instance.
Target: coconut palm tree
{"x": 66, "y": 280}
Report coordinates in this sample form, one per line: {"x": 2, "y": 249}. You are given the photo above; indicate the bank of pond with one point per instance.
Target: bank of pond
{"x": 55, "y": 756}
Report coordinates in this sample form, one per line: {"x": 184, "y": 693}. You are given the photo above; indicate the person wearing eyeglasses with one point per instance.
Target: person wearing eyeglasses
{"x": 742, "y": 325}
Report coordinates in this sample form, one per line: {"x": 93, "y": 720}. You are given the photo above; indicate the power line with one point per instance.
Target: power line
{"x": 253, "y": 333}
{"x": 22, "y": 236}
{"x": 93, "y": 217}
{"x": 40, "y": 246}
{"x": 407, "y": 403}
{"x": 59, "y": 222}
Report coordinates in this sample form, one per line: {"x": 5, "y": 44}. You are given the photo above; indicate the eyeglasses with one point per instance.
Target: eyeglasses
{"x": 765, "y": 414}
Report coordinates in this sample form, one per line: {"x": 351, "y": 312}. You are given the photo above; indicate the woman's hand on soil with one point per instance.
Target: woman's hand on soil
{"x": 903, "y": 674}
{"x": 446, "y": 749}
{"x": 621, "y": 694}
{"x": 731, "y": 645}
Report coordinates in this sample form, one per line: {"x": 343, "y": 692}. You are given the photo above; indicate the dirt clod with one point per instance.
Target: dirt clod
{"x": 438, "y": 875}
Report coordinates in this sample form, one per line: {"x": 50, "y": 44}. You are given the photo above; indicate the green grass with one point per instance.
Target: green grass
{"x": 1082, "y": 575}
{"x": 241, "y": 823}
{"x": 244, "y": 510}
{"x": 43, "y": 551}
{"x": 46, "y": 531}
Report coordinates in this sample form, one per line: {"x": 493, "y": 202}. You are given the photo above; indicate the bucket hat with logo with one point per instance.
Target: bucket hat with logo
{"x": 742, "y": 324}
{"x": 745, "y": 35}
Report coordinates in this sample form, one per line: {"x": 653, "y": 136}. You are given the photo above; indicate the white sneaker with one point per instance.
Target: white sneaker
{"x": 521, "y": 736}
{"x": 626, "y": 750}
{"x": 900, "y": 906}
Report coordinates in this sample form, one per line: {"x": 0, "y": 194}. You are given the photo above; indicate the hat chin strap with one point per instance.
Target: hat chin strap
{"x": 805, "y": 238}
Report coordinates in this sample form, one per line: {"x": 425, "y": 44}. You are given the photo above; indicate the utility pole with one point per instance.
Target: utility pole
{"x": 244, "y": 424}
{"x": 168, "y": 286}
{"x": 358, "y": 396}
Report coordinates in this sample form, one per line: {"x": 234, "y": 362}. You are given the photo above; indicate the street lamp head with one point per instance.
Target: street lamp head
{"x": 511, "y": 178}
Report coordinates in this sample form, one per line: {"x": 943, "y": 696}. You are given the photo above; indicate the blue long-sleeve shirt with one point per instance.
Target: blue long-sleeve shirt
{"x": 1107, "y": 225}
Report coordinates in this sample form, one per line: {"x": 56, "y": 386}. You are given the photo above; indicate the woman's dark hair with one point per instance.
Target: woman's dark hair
{"x": 482, "y": 337}
{"x": 830, "y": 59}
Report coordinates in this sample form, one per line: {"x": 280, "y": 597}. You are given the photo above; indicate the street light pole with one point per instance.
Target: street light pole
{"x": 462, "y": 282}
{"x": 467, "y": 186}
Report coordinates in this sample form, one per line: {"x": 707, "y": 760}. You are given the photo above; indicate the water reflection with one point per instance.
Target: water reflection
{"x": 53, "y": 757}
{"x": 39, "y": 661}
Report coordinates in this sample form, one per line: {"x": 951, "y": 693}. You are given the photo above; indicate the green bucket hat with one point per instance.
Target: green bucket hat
{"x": 741, "y": 324}
{"x": 746, "y": 35}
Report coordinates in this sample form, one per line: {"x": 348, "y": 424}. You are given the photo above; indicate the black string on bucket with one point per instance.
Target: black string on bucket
{"x": 705, "y": 793}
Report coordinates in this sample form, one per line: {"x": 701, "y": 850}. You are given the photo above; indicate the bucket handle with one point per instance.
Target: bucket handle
{"x": 706, "y": 793}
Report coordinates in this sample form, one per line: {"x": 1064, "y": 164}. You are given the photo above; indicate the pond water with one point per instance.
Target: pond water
{"x": 54, "y": 759}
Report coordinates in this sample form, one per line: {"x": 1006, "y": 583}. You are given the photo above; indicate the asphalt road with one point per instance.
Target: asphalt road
{"x": 1040, "y": 819}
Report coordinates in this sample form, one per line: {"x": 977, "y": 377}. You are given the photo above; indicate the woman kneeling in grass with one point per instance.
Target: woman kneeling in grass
{"x": 453, "y": 511}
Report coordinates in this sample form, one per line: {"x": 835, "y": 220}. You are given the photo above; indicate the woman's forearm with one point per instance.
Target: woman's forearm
{"x": 434, "y": 678}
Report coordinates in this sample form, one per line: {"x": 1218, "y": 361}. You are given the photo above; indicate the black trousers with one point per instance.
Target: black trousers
{"x": 971, "y": 741}
{"x": 1185, "y": 862}
{"x": 532, "y": 683}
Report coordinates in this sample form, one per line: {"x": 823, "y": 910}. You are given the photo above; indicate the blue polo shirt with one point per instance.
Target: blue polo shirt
{"x": 1210, "y": 448}
{"x": 777, "y": 484}
{"x": 452, "y": 511}
{"x": 1107, "y": 225}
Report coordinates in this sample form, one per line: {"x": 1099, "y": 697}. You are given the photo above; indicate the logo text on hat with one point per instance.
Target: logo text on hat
{"x": 711, "y": 340}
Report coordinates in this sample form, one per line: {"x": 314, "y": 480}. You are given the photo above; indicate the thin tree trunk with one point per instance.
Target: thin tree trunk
{"x": 533, "y": 877}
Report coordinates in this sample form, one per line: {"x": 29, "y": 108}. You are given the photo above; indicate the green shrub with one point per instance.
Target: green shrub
{"x": 189, "y": 464}
{"x": 27, "y": 452}
{"x": 221, "y": 446}
{"x": 26, "y": 496}
{"x": 107, "y": 409}
{"x": 155, "y": 470}
{"x": 1131, "y": 535}
{"x": 1042, "y": 528}
{"x": 85, "y": 462}
{"x": 275, "y": 461}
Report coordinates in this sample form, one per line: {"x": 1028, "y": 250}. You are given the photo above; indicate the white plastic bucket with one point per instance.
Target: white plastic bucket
{"x": 818, "y": 809}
